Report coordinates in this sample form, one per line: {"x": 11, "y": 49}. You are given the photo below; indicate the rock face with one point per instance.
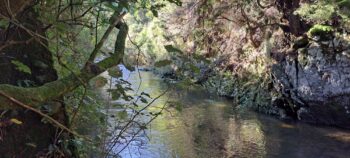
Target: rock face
{"x": 316, "y": 79}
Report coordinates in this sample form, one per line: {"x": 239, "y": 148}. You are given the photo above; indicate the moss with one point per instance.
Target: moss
{"x": 35, "y": 96}
{"x": 320, "y": 30}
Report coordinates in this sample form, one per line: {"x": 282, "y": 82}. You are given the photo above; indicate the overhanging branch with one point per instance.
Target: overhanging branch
{"x": 35, "y": 96}
{"x": 114, "y": 21}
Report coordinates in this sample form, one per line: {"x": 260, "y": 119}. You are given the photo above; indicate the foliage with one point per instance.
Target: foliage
{"x": 3, "y": 23}
{"x": 325, "y": 11}
{"x": 215, "y": 43}
{"x": 99, "y": 82}
{"x": 320, "y": 30}
{"x": 73, "y": 30}
{"x": 216, "y": 51}
{"x": 147, "y": 34}
{"x": 16, "y": 121}
{"x": 115, "y": 72}
{"x": 170, "y": 49}
{"x": 317, "y": 13}
{"x": 21, "y": 67}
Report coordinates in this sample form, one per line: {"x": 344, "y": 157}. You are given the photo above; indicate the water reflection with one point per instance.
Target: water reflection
{"x": 209, "y": 127}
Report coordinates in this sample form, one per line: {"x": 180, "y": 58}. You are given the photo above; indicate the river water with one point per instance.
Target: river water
{"x": 207, "y": 126}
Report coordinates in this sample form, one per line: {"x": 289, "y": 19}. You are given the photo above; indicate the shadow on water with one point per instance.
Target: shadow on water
{"x": 210, "y": 127}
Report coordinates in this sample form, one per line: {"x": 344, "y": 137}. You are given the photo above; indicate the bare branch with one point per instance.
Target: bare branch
{"x": 4, "y": 45}
{"x": 42, "y": 114}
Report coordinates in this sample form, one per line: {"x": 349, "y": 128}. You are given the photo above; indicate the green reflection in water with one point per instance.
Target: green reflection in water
{"x": 209, "y": 127}
{"x": 206, "y": 127}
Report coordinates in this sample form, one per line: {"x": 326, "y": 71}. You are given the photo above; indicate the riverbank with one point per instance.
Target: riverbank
{"x": 288, "y": 59}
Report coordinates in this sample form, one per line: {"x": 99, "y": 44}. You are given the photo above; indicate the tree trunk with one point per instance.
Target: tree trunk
{"x": 33, "y": 137}
{"x": 41, "y": 86}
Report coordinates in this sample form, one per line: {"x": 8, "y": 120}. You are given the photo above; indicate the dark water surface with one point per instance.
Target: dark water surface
{"x": 210, "y": 127}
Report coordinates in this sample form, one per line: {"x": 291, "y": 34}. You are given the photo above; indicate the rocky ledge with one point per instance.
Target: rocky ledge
{"x": 316, "y": 79}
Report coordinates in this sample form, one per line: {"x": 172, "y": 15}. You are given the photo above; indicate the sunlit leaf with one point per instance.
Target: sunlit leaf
{"x": 21, "y": 67}
{"x": 16, "y": 121}
{"x": 31, "y": 145}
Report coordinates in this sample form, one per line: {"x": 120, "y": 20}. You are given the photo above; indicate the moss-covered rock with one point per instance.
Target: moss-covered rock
{"x": 323, "y": 31}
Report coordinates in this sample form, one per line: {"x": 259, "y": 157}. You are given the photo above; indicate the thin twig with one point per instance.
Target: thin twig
{"x": 115, "y": 140}
{"x": 10, "y": 43}
{"x": 78, "y": 108}
{"x": 141, "y": 129}
{"x": 137, "y": 61}
{"x": 43, "y": 115}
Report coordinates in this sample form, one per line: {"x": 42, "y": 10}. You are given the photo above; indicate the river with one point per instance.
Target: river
{"x": 208, "y": 126}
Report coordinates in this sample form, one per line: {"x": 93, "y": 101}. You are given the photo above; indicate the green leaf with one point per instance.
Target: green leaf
{"x": 195, "y": 69}
{"x": 31, "y": 145}
{"x": 100, "y": 81}
{"x": 319, "y": 30}
{"x": 171, "y": 48}
{"x": 16, "y": 121}
{"x": 162, "y": 63}
{"x": 177, "y": 105}
{"x": 129, "y": 67}
{"x": 201, "y": 58}
{"x": 3, "y": 23}
{"x": 122, "y": 114}
{"x": 21, "y": 67}
{"x": 115, "y": 72}
{"x": 61, "y": 27}
{"x": 125, "y": 82}
{"x": 115, "y": 94}
{"x": 127, "y": 97}
{"x": 136, "y": 105}
{"x": 177, "y": 2}
{"x": 155, "y": 13}
{"x": 128, "y": 89}
{"x": 184, "y": 83}
{"x": 145, "y": 94}
{"x": 143, "y": 100}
